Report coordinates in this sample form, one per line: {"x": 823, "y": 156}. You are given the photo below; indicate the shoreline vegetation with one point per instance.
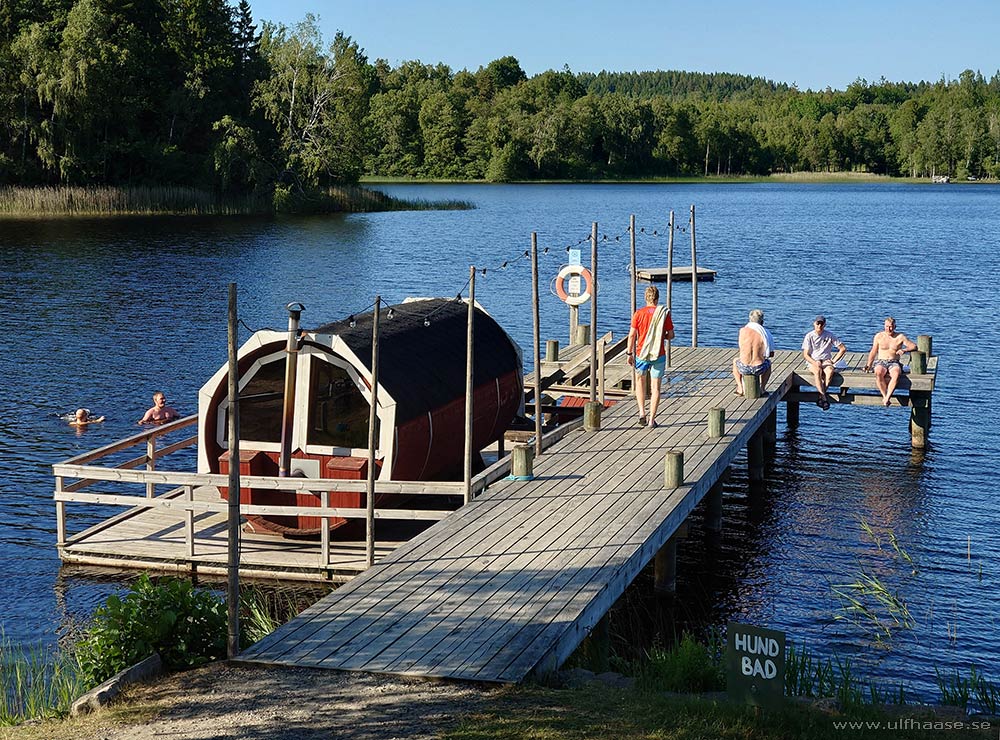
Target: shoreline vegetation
{"x": 104, "y": 201}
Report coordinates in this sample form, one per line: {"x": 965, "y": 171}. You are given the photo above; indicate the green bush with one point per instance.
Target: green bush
{"x": 688, "y": 666}
{"x": 186, "y": 626}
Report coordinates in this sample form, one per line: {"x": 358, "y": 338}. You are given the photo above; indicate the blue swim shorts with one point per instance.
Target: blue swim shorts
{"x": 655, "y": 367}
{"x": 753, "y": 369}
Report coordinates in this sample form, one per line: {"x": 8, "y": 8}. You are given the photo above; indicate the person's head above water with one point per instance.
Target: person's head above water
{"x": 82, "y": 414}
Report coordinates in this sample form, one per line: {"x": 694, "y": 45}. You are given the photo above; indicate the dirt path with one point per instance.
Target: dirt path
{"x": 250, "y": 701}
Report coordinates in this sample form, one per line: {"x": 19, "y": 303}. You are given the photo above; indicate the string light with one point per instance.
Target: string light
{"x": 351, "y": 322}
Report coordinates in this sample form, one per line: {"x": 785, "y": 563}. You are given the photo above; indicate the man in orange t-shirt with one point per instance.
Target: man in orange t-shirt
{"x": 651, "y": 327}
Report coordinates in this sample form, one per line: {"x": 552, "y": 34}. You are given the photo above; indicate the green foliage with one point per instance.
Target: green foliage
{"x": 36, "y": 682}
{"x": 688, "y": 667}
{"x": 807, "y": 675}
{"x": 185, "y": 625}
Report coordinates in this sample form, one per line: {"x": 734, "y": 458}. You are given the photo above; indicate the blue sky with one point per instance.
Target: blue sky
{"x": 812, "y": 44}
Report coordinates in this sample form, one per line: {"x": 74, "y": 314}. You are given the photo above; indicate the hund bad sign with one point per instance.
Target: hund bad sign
{"x": 755, "y": 665}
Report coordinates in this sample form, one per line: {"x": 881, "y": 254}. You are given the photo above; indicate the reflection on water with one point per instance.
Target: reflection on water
{"x": 100, "y": 313}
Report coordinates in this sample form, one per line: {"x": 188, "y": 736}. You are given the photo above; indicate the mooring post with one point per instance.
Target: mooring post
{"x": 602, "y": 348}
{"x": 925, "y": 343}
{"x": 665, "y": 567}
{"x": 755, "y": 456}
{"x": 694, "y": 286}
{"x": 574, "y": 322}
{"x": 919, "y": 418}
{"x": 372, "y": 441}
{"x": 631, "y": 233}
{"x": 716, "y": 422}
{"x": 551, "y": 346}
{"x": 918, "y": 362}
{"x": 751, "y": 387}
{"x": 582, "y": 334}
{"x": 592, "y": 416}
{"x": 713, "y": 507}
{"x": 522, "y": 462}
{"x": 552, "y": 350}
{"x": 792, "y": 409}
{"x": 670, "y": 278}
{"x": 673, "y": 469}
{"x": 593, "y": 312}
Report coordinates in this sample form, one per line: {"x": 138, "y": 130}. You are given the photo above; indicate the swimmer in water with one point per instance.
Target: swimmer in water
{"x": 82, "y": 418}
{"x": 160, "y": 412}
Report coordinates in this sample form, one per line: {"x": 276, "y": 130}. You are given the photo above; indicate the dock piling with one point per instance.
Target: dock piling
{"x": 581, "y": 334}
{"x": 755, "y": 456}
{"x": 552, "y": 350}
{"x": 920, "y": 418}
{"x": 751, "y": 387}
{"x": 665, "y": 568}
{"x": 716, "y": 422}
{"x": 673, "y": 469}
{"x": 522, "y": 459}
{"x": 792, "y": 409}
{"x": 713, "y": 508}
{"x": 592, "y": 416}
{"x": 925, "y": 343}
{"x": 918, "y": 362}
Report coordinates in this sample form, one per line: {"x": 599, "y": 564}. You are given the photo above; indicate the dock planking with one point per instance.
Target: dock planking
{"x": 510, "y": 585}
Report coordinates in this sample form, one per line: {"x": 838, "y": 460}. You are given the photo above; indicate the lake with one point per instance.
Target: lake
{"x": 100, "y": 313}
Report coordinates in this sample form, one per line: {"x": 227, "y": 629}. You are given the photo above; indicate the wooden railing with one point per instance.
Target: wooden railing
{"x": 142, "y": 471}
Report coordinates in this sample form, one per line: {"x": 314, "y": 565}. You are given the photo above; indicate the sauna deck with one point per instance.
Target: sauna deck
{"x": 155, "y": 539}
{"x": 511, "y": 584}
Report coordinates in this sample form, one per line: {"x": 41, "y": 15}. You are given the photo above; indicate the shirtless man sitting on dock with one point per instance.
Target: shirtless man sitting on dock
{"x": 756, "y": 351}
{"x": 884, "y": 358}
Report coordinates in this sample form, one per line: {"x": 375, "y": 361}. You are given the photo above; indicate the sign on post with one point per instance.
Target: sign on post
{"x": 755, "y": 665}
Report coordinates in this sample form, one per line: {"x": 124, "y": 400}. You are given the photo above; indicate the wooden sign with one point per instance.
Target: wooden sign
{"x": 755, "y": 665}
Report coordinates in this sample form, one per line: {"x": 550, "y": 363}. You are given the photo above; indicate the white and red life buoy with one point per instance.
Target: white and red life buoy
{"x": 569, "y": 271}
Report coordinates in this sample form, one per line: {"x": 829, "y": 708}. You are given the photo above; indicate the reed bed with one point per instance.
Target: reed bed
{"x": 125, "y": 201}
{"x": 36, "y": 682}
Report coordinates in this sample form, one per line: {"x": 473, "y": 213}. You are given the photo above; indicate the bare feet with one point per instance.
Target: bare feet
{"x": 739, "y": 391}
{"x": 652, "y": 424}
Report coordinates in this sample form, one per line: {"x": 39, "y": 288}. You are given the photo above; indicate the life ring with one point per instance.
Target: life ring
{"x": 568, "y": 270}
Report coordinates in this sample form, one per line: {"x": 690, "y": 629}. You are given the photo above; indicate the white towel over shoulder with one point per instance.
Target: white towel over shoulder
{"x": 765, "y": 335}
{"x": 650, "y": 348}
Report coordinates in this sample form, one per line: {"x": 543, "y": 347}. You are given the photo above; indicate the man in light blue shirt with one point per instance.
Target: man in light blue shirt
{"x": 817, "y": 348}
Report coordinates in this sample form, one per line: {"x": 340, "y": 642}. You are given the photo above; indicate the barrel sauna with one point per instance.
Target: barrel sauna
{"x": 420, "y": 428}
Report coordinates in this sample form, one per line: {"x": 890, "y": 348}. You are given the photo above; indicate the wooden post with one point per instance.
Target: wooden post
{"x": 632, "y": 268}
{"x": 60, "y": 515}
{"x": 521, "y": 462}
{"x": 751, "y": 387}
{"x": 189, "y": 520}
{"x": 925, "y": 343}
{"x": 918, "y": 363}
{"x": 324, "y": 535}
{"x": 770, "y": 429}
{"x": 919, "y": 418}
{"x": 593, "y": 312}
{"x": 551, "y": 349}
{"x": 372, "y": 442}
{"x": 792, "y": 409}
{"x": 694, "y": 285}
{"x": 233, "y": 509}
{"x": 755, "y": 456}
{"x": 582, "y": 334}
{"x": 592, "y": 416}
{"x": 673, "y": 469}
{"x": 716, "y": 422}
{"x": 574, "y": 321}
{"x": 713, "y": 508}
{"x": 469, "y": 337}
{"x": 551, "y": 346}
{"x": 670, "y": 279}
{"x": 602, "y": 348}
{"x": 597, "y": 646}
{"x": 150, "y": 464}
{"x": 665, "y": 567}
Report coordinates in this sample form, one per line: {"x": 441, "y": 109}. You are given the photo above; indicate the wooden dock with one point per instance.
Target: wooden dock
{"x": 681, "y": 274}
{"x": 511, "y": 584}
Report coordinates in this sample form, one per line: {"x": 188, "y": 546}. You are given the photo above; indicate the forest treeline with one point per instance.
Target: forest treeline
{"x": 192, "y": 92}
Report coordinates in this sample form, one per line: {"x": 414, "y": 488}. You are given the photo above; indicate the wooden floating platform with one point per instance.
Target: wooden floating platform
{"x": 680, "y": 274}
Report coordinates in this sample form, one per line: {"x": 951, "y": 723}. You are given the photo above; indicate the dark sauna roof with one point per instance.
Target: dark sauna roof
{"x": 423, "y": 367}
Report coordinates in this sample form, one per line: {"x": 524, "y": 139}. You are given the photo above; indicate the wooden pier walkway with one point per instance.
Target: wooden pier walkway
{"x": 512, "y": 583}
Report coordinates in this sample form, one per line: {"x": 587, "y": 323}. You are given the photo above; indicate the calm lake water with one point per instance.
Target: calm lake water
{"x": 100, "y": 313}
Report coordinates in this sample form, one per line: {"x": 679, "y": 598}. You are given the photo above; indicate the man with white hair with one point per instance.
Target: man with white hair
{"x": 756, "y": 350}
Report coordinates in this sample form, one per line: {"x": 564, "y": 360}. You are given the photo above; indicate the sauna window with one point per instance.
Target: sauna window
{"x": 338, "y": 413}
{"x": 261, "y": 403}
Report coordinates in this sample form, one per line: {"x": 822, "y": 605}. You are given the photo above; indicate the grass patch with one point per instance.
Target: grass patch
{"x": 687, "y": 667}
{"x": 36, "y": 682}
{"x": 600, "y": 712}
